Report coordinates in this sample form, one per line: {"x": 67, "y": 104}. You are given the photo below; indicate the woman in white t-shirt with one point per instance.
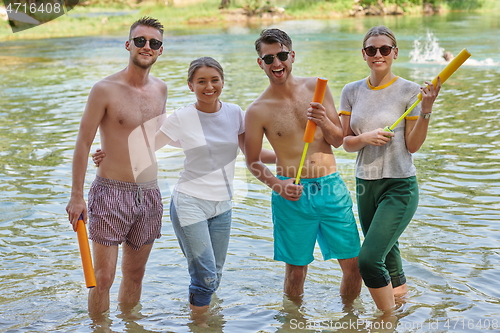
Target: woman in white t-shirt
{"x": 386, "y": 184}
{"x": 209, "y": 132}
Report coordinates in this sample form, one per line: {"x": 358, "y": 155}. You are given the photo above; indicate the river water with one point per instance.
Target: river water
{"x": 451, "y": 249}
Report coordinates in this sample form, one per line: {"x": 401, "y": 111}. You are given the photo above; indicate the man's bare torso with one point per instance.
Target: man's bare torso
{"x": 128, "y": 128}
{"x": 284, "y": 121}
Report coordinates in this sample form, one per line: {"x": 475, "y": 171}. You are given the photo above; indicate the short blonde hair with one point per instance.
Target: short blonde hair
{"x": 380, "y": 31}
{"x": 148, "y": 22}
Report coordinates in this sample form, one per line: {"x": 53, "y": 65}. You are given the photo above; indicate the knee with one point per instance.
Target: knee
{"x": 350, "y": 268}
{"x": 296, "y": 273}
{"x": 134, "y": 275}
{"x": 367, "y": 262}
{"x": 104, "y": 279}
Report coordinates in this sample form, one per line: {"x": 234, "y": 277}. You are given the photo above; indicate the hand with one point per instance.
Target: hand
{"x": 378, "y": 137}
{"x": 98, "y": 156}
{"x": 75, "y": 208}
{"x": 317, "y": 113}
{"x": 288, "y": 190}
{"x": 429, "y": 95}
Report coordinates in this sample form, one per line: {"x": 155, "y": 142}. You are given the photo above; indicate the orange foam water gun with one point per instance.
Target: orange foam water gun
{"x": 444, "y": 75}
{"x": 319, "y": 95}
{"x": 83, "y": 242}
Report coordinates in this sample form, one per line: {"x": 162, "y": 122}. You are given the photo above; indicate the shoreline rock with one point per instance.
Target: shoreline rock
{"x": 379, "y": 9}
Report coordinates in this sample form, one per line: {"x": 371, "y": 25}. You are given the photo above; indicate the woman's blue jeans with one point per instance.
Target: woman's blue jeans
{"x": 204, "y": 244}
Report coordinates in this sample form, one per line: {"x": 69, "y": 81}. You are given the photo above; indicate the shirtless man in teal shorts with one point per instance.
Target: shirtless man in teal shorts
{"x": 320, "y": 208}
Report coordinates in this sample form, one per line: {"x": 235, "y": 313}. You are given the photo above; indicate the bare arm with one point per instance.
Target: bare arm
{"x": 161, "y": 139}
{"x": 416, "y": 130}
{"x": 325, "y": 116}
{"x": 266, "y": 156}
{"x": 92, "y": 116}
{"x": 253, "y": 148}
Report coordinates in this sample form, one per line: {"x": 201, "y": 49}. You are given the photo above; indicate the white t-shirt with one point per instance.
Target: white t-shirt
{"x": 210, "y": 143}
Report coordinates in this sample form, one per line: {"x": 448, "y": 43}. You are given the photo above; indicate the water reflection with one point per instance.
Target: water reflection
{"x": 451, "y": 251}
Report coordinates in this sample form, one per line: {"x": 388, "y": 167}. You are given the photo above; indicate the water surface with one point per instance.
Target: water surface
{"x": 450, "y": 250}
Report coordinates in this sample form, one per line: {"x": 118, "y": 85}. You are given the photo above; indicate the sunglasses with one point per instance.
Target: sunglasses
{"x": 385, "y": 50}
{"x": 269, "y": 59}
{"x": 141, "y": 41}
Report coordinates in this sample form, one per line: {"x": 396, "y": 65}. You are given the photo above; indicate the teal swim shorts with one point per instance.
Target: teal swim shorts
{"x": 323, "y": 213}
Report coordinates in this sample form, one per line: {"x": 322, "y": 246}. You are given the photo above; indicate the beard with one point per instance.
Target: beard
{"x": 143, "y": 64}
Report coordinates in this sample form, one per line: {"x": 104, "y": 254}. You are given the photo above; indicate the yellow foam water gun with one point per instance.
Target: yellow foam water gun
{"x": 444, "y": 75}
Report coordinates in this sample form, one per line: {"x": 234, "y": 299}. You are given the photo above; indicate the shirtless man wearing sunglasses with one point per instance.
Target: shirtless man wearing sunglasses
{"x": 320, "y": 208}
{"x": 124, "y": 200}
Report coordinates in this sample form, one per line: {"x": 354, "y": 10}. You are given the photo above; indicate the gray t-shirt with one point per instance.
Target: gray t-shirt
{"x": 210, "y": 143}
{"x": 377, "y": 107}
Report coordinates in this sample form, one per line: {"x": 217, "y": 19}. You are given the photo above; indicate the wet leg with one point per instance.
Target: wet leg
{"x": 295, "y": 276}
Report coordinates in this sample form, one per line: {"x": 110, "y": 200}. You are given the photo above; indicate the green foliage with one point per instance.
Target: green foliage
{"x": 304, "y": 4}
{"x": 472, "y": 4}
{"x": 207, "y": 11}
{"x": 318, "y": 8}
{"x": 298, "y": 5}
{"x": 454, "y": 4}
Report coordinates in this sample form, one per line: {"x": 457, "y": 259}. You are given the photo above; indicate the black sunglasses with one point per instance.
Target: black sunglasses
{"x": 385, "y": 50}
{"x": 141, "y": 41}
{"x": 269, "y": 58}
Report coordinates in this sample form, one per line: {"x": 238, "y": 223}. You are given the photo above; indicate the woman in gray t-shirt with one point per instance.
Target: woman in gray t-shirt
{"x": 386, "y": 185}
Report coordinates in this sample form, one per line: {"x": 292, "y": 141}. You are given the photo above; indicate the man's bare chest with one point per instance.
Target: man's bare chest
{"x": 132, "y": 110}
{"x": 288, "y": 120}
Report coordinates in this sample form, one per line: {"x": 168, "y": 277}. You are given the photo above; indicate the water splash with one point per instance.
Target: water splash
{"x": 427, "y": 51}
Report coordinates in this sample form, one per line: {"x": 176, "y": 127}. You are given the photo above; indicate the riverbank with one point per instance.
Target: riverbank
{"x": 91, "y": 19}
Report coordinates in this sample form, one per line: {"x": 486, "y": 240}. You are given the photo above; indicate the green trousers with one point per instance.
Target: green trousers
{"x": 385, "y": 208}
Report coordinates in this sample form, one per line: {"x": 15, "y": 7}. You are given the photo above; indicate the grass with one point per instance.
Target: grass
{"x": 207, "y": 11}
{"x": 95, "y": 20}
{"x": 319, "y": 9}
{"x": 99, "y": 19}
{"x": 473, "y": 5}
